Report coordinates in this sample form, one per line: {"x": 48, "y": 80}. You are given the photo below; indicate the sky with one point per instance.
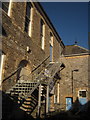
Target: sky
{"x": 70, "y": 20}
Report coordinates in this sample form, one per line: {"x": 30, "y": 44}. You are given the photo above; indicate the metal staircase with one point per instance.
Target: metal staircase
{"x": 26, "y": 93}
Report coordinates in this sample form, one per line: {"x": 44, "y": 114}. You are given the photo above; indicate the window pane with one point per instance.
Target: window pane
{"x": 28, "y": 13}
{"x": 28, "y": 10}
{"x": 5, "y": 6}
{"x": 41, "y": 27}
{"x": 82, "y": 93}
{"x": 26, "y": 24}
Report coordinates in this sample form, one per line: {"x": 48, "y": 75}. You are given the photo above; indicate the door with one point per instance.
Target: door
{"x": 83, "y": 101}
{"x": 68, "y": 103}
{"x": 24, "y": 73}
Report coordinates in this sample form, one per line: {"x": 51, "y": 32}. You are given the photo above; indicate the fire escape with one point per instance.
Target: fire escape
{"x": 30, "y": 94}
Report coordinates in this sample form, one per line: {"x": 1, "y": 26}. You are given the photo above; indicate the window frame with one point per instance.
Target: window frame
{"x": 2, "y": 58}
{"x": 81, "y": 96}
{"x": 42, "y": 34}
{"x": 28, "y": 18}
{"x": 51, "y": 47}
{"x": 7, "y": 7}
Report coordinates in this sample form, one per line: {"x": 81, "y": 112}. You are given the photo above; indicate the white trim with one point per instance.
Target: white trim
{"x": 51, "y": 44}
{"x": 42, "y": 43}
{"x": 43, "y": 37}
{"x": 1, "y": 67}
{"x": 82, "y": 90}
{"x": 30, "y": 23}
{"x": 58, "y": 93}
{"x": 54, "y": 98}
{"x": 51, "y": 40}
{"x": 9, "y": 8}
{"x": 82, "y": 47}
{"x": 80, "y": 54}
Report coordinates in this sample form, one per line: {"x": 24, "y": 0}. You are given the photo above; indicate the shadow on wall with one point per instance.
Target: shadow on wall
{"x": 77, "y": 112}
{"x": 11, "y": 110}
{"x": 2, "y": 32}
{"x": 22, "y": 64}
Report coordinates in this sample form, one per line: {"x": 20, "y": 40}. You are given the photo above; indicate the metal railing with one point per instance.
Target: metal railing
{"x": 24, "y": 76}
{"x": 40, "y": 64}
{"x": 12, "y": 74}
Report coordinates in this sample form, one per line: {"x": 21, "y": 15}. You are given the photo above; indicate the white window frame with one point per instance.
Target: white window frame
{"x": 51, "y": 45}
{"x": 42, "y": 35}
{"x": 58, "y": 92}
{"x": 81, "y": 96}
{"x": 1, "y": 67}
{"x": 51, "y": 40}
{"x": 55, "y": 101}
{"x": 30, "y": 23}
{"x": 9, "y": 8}
{"x": 43, "y": 38}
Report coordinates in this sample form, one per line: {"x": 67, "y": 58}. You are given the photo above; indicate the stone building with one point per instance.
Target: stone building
{"x": 30, "y": 53}
{"x": 73, "y": 87}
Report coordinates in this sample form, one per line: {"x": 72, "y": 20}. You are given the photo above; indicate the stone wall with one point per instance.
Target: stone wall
{"x": 80, "y": 78}
{"x": 15, "y": 42}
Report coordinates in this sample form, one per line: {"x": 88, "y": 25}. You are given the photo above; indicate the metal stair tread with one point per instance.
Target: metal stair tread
{"x": 24, "y": 89}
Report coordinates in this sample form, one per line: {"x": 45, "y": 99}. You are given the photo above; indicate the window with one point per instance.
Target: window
{"x": 1, "y": 65}
{"x": 28, "y": 18}
{"x": 82, "y": 93}
{"x": 6, "y": 6}
{"x": 55, "y": 98}
{"x": 51, "y": 39}
{"x": 51, "y": 47}
{"x": 42, "y": 32}
{"x": 58, "y": 93}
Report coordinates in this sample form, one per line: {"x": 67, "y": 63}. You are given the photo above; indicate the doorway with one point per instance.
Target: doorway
{"x": 68, "y": 103}
{"x": 24, "y": 73}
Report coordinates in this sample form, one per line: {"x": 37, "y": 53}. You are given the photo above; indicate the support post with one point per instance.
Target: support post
{"x": 47, "y": 99}
{"x": 39, "y": 101}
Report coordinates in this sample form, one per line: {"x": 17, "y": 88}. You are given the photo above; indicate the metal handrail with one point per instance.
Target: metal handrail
{"x": 40, "y": 64}
{"x": 13, "y": 73}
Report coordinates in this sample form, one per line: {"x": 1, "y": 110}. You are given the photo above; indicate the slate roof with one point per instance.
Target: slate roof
{"x": 74, "y": 49}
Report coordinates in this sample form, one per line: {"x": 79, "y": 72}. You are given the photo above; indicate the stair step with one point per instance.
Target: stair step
{"x": 49, "y": 66}
{"x": 22, "y": 88}
{"x": 26, "y": 93}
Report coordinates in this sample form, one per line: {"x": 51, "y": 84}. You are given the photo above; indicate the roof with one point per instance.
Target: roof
{"x": 74, "y": 49}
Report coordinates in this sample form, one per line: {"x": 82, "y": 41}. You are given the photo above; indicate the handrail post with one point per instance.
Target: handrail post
{"x": 39, "y": 101}
{"x": 47, "y": 100}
